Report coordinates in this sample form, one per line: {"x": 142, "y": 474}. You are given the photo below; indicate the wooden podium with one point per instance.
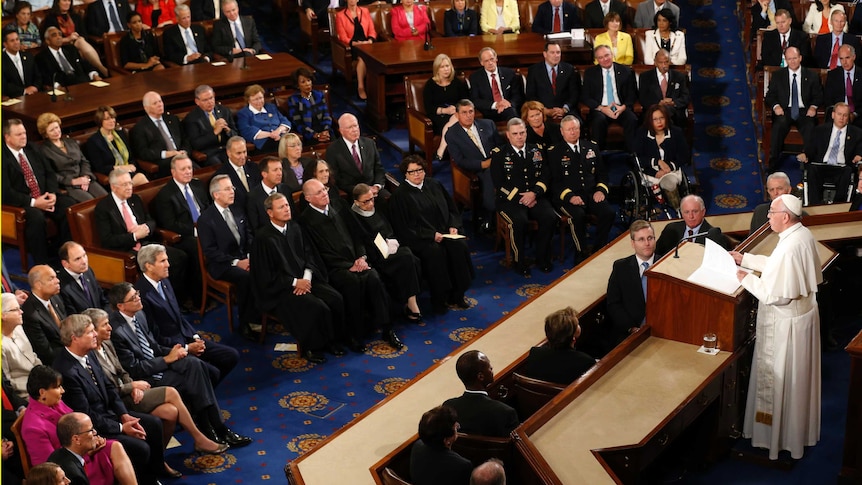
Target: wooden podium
{"x": 683, "y": 311}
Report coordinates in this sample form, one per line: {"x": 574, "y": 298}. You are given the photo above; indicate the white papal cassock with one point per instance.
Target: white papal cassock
{"x": 783, "y": 407}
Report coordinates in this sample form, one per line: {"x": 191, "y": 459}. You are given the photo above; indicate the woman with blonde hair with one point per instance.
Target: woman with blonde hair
{"x": 619, "y": 41}
{"x": 296, "y": 168}
{"x": 558, "y": 361}
{"x": 440, "y": 94}
{"x": 500, "y": 17}
{"x": 72, "y": 170}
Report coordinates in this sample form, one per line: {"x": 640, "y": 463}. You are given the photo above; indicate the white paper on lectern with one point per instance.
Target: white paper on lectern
{"x": 717, "y": 270}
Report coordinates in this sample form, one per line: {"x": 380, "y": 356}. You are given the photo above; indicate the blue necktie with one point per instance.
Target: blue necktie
{"x": 794, "y": 98}
{"x": 610, "y": 87}
{"x": 87, "y": 291}
{"x": 145, "y": 344}
{"x": 643, "y": 278}
{"x": 191, "y": 42}
{"x": 161, "y": 290}
{"x": 115, "y": 18}
{"x": 833, "y": 152}
{"x": 239, "y": 37}
{"x": 192, "y": 208}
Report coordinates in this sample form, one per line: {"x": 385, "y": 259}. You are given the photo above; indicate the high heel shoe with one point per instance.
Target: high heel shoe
{"x": 412, "y": 316}
{"x": 222, "y": 447}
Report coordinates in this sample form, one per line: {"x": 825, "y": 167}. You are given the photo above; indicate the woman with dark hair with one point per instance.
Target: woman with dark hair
{"x": 619, "y": 41}
{"x": 354, "y": 26}
{"x": 72, "y": 170}
{"x": 157, "y": 13}
{"x": 817, "y": 18}
{"x": 72, "y": 27}
{"x": 662, "y": 150}
{"x": 539, "y": 129}
{"x": 138, "y": 49}
{"x": 558, "y": 361}
{"x": 47, "y": 474}
{"x": 296, "y": 168}
{"x": 460, "y": 21}
{"x": 441, "y": 93}
{"x": 432, "y": 460}
{"x": 109, "y": 148}
{"x": 667, "y": 37}
{"x": 308, "y": 111}
{"x": 28, "y": 33}
{"x": 410, "y": 21}
{"x": 260, "y": 122}
{"x": 426, "y": 220}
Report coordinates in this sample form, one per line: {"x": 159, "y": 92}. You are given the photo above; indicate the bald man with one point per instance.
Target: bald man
{"x": 355, "y": 159}
{"x": 157, "y": 137}
{"x": 43, "y": 312}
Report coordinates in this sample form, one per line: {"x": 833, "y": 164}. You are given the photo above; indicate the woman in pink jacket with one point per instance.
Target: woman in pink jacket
{"x": 410, "y": 21}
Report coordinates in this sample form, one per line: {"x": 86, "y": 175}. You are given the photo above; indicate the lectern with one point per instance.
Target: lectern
{"x": 683, "y": 311}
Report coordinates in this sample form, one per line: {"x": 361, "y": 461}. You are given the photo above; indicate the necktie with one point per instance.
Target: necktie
{"x": 783, "y": 48}
{"x": 663, "y": 85}
{"x": 115, "y": 18}
{"x": 64, "y": 63}
{"x": 605, "y": 7}
{"x": 169, "y": 142}
{"x": 557, "y": 19}
{"x": 90, "y": 370}
{"x": 521, "y": 154}
{"x": 554, "y": 79}
{"x": 239, "y": 37}
{"x": 193, "y": 210}
{"x": 794, "y": 98}
{"x": 231, "y": 224}
{"x": 835, "y": 149}
{"x": 216, "y": 9}
{"x": 53, "y": 313}
{"x": 19, "y": 67}
{"x": 848, "y": 90}
{"x": 475, "y": 141}
{"x": 191, "y": 41}
{"x": 130, "y": 223}
{"x": 145, "y": 344}
{"x": 609, "y": 85}
{"x": 356, "y": 159}
{"x": 495, "y": 89}
{"x": 833, "y": 59}
{"x": 690, "y": 233}
{"x": 29, "y": 176}
{"x": 243, "y": 178}
{"x": 86, "y": 289}
{"x": 643, "y": 278}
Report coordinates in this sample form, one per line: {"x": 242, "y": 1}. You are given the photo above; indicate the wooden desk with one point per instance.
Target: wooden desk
{"x": 408, "y": 57}
{"x": 176, "y": 85}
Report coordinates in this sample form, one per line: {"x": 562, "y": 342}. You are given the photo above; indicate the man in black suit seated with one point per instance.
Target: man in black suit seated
{"x": 88, "y": 390}
{"x": 234, "y": 35}
{"x": 693, "y": 213}
{"x": 763, "y": 13}
{"x": 31, "y": 184}
{"x": 205, "y": 9}
{"x": 837, "y": 80}
{"x": 292, "y": 283}
{"x": 226, "y": 239}
{"x": 477, "y": 412}
{"x": 209, "y": 126}
{"x": 777, "y": 41}
{"x": 145, "y": 359}
{"x": 675, "y": 95}
{"x": 826, "y": 47}
{"x": 355, "y": 159}
{"x": 838, "y": 145}
{"x": 610, "y": 93}
{"x": 20, "y": 75}
{"x": 106, "y": 16}
{"x": 626, "y": 296}
{"x": 79, "y": 288}
{"x": 43, "y": 312}
{"x": 123, "y": 224}
{"x": 794, "y": 94}
{"x": 78, "y": 438}
{"x": 432, "y": 460}
{"x": 497, "y": 91}
{"x": 271, "y": 172}
{"x": 555, "y": 16}
{"x": 555, "y": 84}
{"x": 856, "y": 202}
{"x": 595, "y": 11}
{"x": 158, "y": 137}
{"x": 558, "y": 361}
{"x": 330, "y": 227}
{"x": 777, "y": 183}
{"x": 243, "y": 175}
{"x": 167, "y": 321}
{"x": 185, "y": 43}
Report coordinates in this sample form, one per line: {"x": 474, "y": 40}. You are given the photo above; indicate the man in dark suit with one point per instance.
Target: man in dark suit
{"x": 107, "y": 16}
{"x": 838, "y": 145}
{"x": 145, "y": 359}
{"x": 837, "y": 79}
{"x": 555, "y": 84}
{"x": 826, "y": 47}
{"x": 431, "y": 456}
{"x": 79, "y": 288}
{"x": 555, "y": 16}
{"x": 123, "y": 224}
{"x": 610, "y": 93}
{"x": 233, "y": 35}
{"x": 674, "y": 96}
{"x": 20, "y": 75}
{"x": 856, "y": 201}
{"x": 579, "y": 185}
{"x": 242, "y": 174}
{"x": 692, "y": 223}
{"x": 497, "y": 91}
{"x": 158, "y": 137}
{"x": 342, "y": 157}
{"x": 29, "y": 183}
{"x": 477, "y": 412}
{"x": 209, "y": 126}
{"x": 226, "y": 239}
{"x": 185, "y": 43}
{"x": 777, "y": 183}
{"x": 330, "y": 228}
{"x": 776, "y": 42}
{"x": 763, "y": 14}
{"x": 626, "y": 300}
{"x": 76, "y": 441}
{"x": 318, "y": 9}
{"x": 291, "y": 281}
{"x": 167, "y": 321}
{"x": 595, "y": 11}
{"x": 790, "y": 108}
{"x": 43, "y": 312}
{"x": 271, "y": 172}
{"x": 88, "y": 390}
{"x": 205, "y": 9}
{"x": 470, "y": 144}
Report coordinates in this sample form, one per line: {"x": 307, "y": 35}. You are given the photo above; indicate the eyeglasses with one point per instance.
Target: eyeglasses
{"x": 414, "y": 172}
{"x": 230, "y": 188}
{"x": 136, "y": 296}
{"x": 91, "y": 431}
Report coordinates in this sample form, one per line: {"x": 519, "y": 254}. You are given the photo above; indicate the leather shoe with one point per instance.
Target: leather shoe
{"x": 313, "y": 357}
{"x": 210, "y": 433}
{"x": 170, "y": 472}
{"x": 393, "y": 339}
{"x": 356, "y": 346}
{"x": 460, "y": 302}
{"x": 222, "y": 447}
{"x": 522, "y": 269}
{"x": 235, "y": 440}
{"x": 336, "y": 350}
{"x": 486, "y": 227}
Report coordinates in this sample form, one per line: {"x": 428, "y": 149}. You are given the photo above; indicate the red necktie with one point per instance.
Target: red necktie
{"x": 663, "y": 86}
{"x": 29, "y": 176}
{"x": 833, "y": 60}
{"x": 554, "y": 79}
{"x": 848, "y": 88}
{"x": 356, "y": 159}
{"x": 130, "y": 224}
{"x": 557, "y": 19}
{"x": 495, "y": 89}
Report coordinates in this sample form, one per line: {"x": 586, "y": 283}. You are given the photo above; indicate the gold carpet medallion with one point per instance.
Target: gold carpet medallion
{"x": 711, "y": 72}
{"x": 722, "y": 131}
{"x": 390, "y": 385}
{"x": 715, "y": 101}
{"x": 528, "y": 291}
{"x": 304, "y": 442}
{"x": 292, "y": 362}
{"x": 704, "y": 23}
{"x": 472, "y": 301}
{"x": 204, "y": 463}
{"x": 707, "y": 46}
{"x": 304, "y": 401}
{"x": 381, "y": 349}
{"x": 212, "y": 337}
{"x": 725, "y": 164}
{"x": 730, "y": 201}
{"x": 464, "y": 334}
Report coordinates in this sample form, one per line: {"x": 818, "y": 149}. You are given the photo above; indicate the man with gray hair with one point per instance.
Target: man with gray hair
{"x": 157, "y": 136}
{"x": 777, "y": 183}
{"x": 186, "y": 43}
{"x": 693, "y": 227}
{"x": 209, "y": 126}
{"x": 61, "y": 63}
{"x": 489, "y": 473}
{"x": 497, "y": 91}
{"x": 783, "y": 407}
{"x": 243, "y": 175}
{"x": 234, "y": 35}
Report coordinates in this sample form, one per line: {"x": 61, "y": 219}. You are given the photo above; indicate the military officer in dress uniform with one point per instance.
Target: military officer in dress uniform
{"x": 580, "y": 185}
{"x": 521, "y": 182}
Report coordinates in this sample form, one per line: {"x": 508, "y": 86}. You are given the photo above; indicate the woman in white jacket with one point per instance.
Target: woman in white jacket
{"x": 667, "y": 37}
{"x": 817, "y": 19}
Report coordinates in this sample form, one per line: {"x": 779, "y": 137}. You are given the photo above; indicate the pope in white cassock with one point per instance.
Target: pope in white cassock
{"x": 783, "y": 407}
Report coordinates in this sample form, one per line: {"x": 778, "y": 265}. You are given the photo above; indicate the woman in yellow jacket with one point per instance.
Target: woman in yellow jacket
{"x": 619, "y": 42}
{"x": 500, "y": 16}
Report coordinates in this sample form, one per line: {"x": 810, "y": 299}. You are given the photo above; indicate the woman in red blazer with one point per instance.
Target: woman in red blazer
{"x": 354, "y": 26}
{"x": 410, "y": 21}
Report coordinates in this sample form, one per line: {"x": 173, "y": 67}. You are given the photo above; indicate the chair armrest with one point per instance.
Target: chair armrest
{"x": 199, "y": 157}
{"x": 169, "y": 237}
{"x": 112, "y": 267}
{"x": 148, "y": 168}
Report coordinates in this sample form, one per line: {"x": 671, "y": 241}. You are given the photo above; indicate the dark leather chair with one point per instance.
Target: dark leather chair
{"x": 531, "y": 394}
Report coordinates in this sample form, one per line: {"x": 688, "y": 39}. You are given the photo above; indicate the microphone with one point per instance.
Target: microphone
{"x": 54, "y": 87}
{"x": 428, "y": 45}
{"x": 242, "y": 53}
{"x": 693, "y": 236}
